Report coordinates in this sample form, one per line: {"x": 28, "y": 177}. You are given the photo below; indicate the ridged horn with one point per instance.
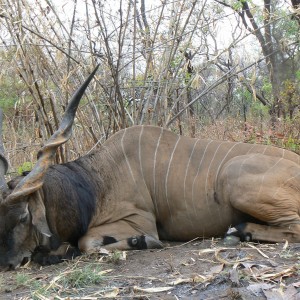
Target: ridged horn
{"x": 34, "y": 180}
{"x": 3, "y": 160}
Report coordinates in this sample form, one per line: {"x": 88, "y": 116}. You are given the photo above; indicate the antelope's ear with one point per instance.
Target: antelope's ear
{"x": 38, "y": 213}
{"x": 14, "y": 182}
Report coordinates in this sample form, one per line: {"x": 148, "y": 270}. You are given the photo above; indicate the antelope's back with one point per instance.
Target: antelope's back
{"x": 180, "y": 174}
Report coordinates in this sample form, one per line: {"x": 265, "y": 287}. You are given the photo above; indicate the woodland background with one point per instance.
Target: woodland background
{"x": 221, "y": 69}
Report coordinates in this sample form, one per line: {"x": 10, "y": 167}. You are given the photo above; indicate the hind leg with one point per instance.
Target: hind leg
{"x": 257, "y": 232}
{"x": 267, "y": 189}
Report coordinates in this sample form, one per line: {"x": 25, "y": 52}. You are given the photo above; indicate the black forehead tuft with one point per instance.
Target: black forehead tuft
{"x": 15, "y": 210}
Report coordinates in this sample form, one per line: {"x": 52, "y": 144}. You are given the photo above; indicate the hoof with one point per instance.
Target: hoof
{"x": 231, "y": 240}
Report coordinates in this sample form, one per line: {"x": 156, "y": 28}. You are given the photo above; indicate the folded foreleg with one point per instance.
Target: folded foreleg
{"x": 118, "y": 235}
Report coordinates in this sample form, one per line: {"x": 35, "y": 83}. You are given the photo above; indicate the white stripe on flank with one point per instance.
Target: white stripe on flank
{"x": 167, "y": 176}
{"x": 249, "y": 151}
{"x": 154, "y": 167}
{"x": 241, "y": 166}
{"x": 221, "y": 163}
{"x": 185, "y": 177}
{"x": 141, "y": 165}
{"x": 263, "y": 152}
{"x": 207, "y": 174}
{"x": 140, "y": 154}
{"x": 217, "y": 172}
{"x": 126, "y": 158}
{"x": 198, "y": 171}
{"x": 266, "y": 147}
{"x": 284, "y": 183}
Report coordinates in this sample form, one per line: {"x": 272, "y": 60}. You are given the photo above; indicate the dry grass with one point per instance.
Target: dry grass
{"x": 180, "y": 270}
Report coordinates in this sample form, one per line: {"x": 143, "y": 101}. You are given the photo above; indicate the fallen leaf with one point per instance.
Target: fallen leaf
{"x": 204, "y": 251}
{"x": 180, "y": 280}
{"x": 286, "y": 272}
{"x": 112, "y": 294}
{"x": 189, "y": 262}
{"x": 196, "y": 278}
{"x": 152, "y": 290}
{"x": 296, "y": 284}
{"x": 286, "y": 244}
{"x": 216, "y": 269}
{"x": 123, "y": 255}
{"x": 104, "y": 251}
{"x": 290, "y": 293}
{"x": 257, "y": 288}
{"x": 249, "y": 265}
{"x": 200, "y": 278}
{"x": 234, "y": 276}
{"x": 273, "y": 295}
{"x": 105, "y": 271}
{"x": 278, "y": 294}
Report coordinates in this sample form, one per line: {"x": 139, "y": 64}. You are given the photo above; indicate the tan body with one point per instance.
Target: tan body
{"x": 144, "y": 184}
{"x": 178, "y": 188}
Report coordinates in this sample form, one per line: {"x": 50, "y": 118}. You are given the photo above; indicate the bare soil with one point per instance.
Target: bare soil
{"x": 200, "y": 269}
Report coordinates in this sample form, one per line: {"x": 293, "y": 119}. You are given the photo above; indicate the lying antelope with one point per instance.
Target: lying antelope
{"x": 145, "y": 184}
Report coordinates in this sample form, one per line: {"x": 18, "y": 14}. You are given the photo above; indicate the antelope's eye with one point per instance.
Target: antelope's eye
{"x": 23, "y": 219}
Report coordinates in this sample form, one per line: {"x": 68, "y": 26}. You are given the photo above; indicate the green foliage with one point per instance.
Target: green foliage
{"x": 259, "y": 110}
{"x": 26, "y": 166}
{"x": 11, "y": 85}
{"x": 8, "y": 95}
{"x": 22, "y": 279}
{"x": 139, "y": 81}
{"x": 116, "y": 257}
{"x": 78, "y": 278}
{"x": 247, "y": 95}
{"x": 288, "y": 27}
{"x": 41, "y": 293}
{"x": 238, "y": 4}
{"x": 292, "y": 144}
{"x": 188, "y": 77}
{"x": 267, "y": 88}
{"x": 6, "y": 103}
{"x": 289, "y": 97}
{"x": 10, "y": 88}
{"x": 25, "y": 280}
{"x": 176, "y": 61}
{"x": 298, "y": 75}
{"x": 244, "y": 96}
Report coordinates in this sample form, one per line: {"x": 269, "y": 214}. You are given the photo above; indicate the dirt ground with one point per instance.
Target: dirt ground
{"x": 205, "y": 269}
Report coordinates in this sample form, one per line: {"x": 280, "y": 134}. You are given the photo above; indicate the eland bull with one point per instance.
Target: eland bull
{"x": 145, "y": 184}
